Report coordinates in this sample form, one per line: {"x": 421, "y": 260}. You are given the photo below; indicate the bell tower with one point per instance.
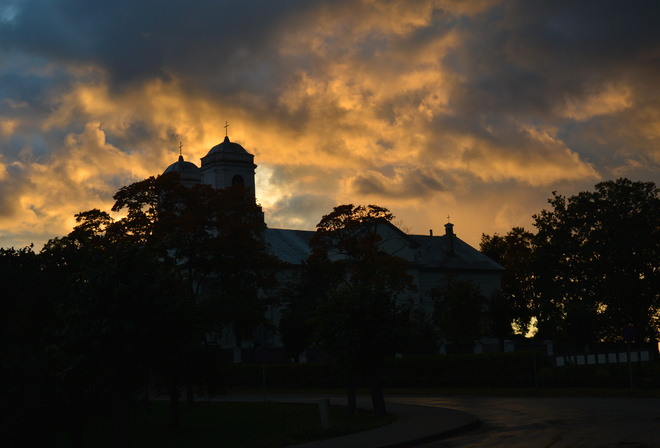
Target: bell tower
{"x": 229, "y": 164}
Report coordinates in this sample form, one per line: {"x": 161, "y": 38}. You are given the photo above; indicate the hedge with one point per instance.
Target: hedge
{"x": 515, "y": 369}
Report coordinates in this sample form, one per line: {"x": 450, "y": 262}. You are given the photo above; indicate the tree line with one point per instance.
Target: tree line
{"x": 99, "y": 315}
{"x": 591, "y": 269}
{"x": 117, "y": 305}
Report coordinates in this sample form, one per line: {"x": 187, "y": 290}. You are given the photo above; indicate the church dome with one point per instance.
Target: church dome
{"x": 228, "y": 147}
{"x": 188, "y": 171}
{"x": 181, "y": 166}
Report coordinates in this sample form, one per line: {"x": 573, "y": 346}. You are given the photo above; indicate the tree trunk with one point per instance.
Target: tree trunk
{"x": 76, "y": 437}
{"x": 120, "y": 414}
{"x": 352, "y": 401}
{"x": 76, "y": 424}
{"x": 174, "y": 405}
{"x": 377, "y": 398}
{"x": 190, "y": 395}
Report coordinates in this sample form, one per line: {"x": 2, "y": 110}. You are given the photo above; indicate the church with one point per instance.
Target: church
{"x": 431, "y": 258}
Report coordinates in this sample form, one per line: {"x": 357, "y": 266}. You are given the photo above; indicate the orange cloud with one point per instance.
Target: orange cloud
{"x": 611, "y": 99}
{"x": 7, "y": 126}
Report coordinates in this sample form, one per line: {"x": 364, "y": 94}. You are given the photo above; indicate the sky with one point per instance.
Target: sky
{"x": 476, "y": 110}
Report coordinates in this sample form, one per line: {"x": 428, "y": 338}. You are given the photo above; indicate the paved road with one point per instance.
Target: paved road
{"x": 553, "y": 422}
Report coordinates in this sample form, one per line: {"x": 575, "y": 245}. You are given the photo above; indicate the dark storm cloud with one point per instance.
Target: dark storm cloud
{"x": 138, "y": 40}
{"x": 573, "y": 69}
{"x": 513, "y": 57}
{"x": 413, "y": 183}
{"x": 523, "y": 57}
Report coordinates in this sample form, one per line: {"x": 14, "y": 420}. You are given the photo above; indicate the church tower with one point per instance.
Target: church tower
{"x": 229, "y": 164}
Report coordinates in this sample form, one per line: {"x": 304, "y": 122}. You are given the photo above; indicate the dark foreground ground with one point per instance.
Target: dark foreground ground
{"x": 557, "y": 422}
{"x": 607, "y": 421}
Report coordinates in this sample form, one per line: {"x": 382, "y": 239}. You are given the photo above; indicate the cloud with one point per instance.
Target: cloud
{"x": 418, "y": 107}
{"x": 532, "y": 156}
{"x": 299, "y": 211}
{"x": 404, "y": 183}
{"x": 610, "y": 100}
{"x": 43, "y": 193}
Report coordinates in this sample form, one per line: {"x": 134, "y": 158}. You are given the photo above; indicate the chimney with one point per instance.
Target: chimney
{"x": 449, "y": 237}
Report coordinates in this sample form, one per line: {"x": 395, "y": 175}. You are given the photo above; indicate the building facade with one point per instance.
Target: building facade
{"x": 431, "y": 258}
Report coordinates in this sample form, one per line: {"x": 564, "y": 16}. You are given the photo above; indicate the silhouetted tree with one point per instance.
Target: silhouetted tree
{"x": 600, "y": 251}
{"x": 214, "y": 239}
{"x": 517, "y": 298}
{"x": 82, "y": 387}
{"x": 311, "y": 286}
{"x": 120, "y": 315}
{"x": 420, "y": 336}
{"x": 592, "y": 267}
{"x": 244, "y": 272}
{"x": 460, "y": 312}
{"x": 28, "y": 392}
{"x": 166, "y": 219}
{"x": 122, "y": 299}
{"x": 358, "y": 322}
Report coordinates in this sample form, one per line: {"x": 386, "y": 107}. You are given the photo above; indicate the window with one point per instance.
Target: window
{"x": 237, "y": 180}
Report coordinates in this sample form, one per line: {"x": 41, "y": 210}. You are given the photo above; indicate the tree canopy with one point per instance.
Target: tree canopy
{"x": 517, "y": 299}
{"x": 117, "y": 303}
{"x": 592, "y": 268}
{"x": 358, "y": 320}
{"x": 601, "y": 254}
{"x": 460, "y": 313}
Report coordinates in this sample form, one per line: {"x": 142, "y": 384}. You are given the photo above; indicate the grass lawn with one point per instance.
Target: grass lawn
{"x": 236, "y": 425}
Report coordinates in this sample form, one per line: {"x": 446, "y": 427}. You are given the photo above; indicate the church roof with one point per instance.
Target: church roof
{"x": 188, "y": 172}
{"x": 290, "y": 246}
{"x": 228, "y": 146}
{"x": 430, "y": 252}
{"x": 181, "y": 166}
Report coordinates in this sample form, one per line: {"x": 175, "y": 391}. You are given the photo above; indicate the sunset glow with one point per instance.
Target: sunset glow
{"x": 477, "y": 110}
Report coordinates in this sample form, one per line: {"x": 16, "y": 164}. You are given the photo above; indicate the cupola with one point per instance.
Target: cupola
{"x": 189, "y": 173}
